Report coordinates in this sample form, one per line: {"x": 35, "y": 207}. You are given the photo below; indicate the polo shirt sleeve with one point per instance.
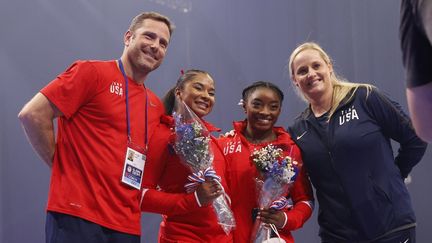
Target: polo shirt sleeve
{"x": 72, "y": 88}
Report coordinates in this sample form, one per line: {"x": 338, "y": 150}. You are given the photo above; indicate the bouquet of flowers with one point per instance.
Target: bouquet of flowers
{"x": 192, "y": 145}
{"x": 278, "y": 173}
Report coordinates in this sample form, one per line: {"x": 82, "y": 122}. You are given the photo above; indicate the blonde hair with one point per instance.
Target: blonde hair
{"x": 341, "y": 86}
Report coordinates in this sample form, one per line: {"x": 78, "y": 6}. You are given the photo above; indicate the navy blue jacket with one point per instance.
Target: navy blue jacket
{"x": 359, "y": 182}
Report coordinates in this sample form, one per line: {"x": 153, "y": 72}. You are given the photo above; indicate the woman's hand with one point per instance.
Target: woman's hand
{"x": 208, "y": 191}
{"x": 272, "y": 216}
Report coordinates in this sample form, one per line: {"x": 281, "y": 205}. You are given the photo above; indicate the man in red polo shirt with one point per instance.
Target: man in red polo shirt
{"x": 105, "y": 117}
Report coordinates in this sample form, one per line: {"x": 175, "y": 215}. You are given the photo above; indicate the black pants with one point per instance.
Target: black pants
{"x": 63, "y": 228}
{"x": 403, "y": 236}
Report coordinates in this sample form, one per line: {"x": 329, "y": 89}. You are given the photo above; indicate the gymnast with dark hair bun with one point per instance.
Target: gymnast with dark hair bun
{"x": 187, "y": 216}
{"x": 262, "y": 103}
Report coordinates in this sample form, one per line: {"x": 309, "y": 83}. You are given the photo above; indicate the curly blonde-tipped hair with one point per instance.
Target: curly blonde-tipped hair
{"x": 341, "y": 86}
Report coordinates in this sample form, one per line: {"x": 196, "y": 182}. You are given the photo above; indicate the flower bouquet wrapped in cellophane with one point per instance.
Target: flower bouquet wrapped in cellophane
{"x": 193, "y": 146}
{"x": 278, "y": 172}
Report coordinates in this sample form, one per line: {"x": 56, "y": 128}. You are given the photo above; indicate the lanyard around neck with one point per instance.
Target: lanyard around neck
{"x": 127, "y": 106}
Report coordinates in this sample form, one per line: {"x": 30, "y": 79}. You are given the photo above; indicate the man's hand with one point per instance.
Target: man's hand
{"x": 37, "y": 120}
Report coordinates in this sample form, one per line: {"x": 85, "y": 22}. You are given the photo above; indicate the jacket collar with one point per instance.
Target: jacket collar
{"x": 169, "y": 120}
{"x": 240, "y": 126}
{"x": 307, "y": 114}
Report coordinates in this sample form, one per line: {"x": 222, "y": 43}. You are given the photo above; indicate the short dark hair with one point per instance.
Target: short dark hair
{"x": 262, "y": 84}
{"x": 137, "y": 21}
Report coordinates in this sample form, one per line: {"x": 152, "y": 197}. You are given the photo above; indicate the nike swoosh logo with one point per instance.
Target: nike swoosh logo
{"x": 151, "y": 104}
{"x": 298, "y": 137}
{"x": 406, "y": 241}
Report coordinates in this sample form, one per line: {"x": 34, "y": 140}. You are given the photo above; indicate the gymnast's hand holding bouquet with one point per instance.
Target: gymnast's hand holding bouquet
{"x": 278, "y": 172}
{"x": 192, "y": 145}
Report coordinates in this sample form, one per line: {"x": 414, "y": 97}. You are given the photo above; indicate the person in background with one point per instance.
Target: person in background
{"x": 187, "y": 217}
{"x": 416, "y": 42}
{"x": 104, "y": 112}
{"x": 262, "y": 103}
{"x": 344, "y": 135}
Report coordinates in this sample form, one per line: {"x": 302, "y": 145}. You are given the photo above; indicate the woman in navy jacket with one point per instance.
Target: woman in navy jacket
{"x": 344, "y": 135}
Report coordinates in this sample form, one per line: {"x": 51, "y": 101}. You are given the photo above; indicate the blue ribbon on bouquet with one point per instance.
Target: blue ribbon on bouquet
{"x": 280, "y": 204}
{"x": 199, "y": 177}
